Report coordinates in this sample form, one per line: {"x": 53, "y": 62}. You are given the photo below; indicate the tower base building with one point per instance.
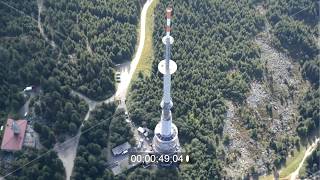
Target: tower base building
{"x": 166, "y": 145}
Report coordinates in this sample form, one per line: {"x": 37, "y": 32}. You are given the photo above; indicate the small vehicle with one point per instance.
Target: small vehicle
{"x": 118, "y": 77}
{"x": 141, "y": 130}
{"x": 140, "y": 144}
{"x": 127, "y": 115}
{"x": 124, "y": 152}
{"x": 29, "y": 88}
{"x": 146, "y": 134}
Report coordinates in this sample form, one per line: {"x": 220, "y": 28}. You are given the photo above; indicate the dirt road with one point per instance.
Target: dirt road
{"x": 126, "y": 76}
{"x": 294, "y": 175}
{"x": 40, "y": 8}
{"x": 67, "y": 152}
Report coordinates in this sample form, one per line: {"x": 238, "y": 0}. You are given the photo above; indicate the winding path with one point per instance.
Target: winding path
{"x": 40, "y": 7}
{"x": 91, "y": 103}
{"x": 67, "y": 151}
{"x": 126, "y": 77}
{"x": 294, "y": 175}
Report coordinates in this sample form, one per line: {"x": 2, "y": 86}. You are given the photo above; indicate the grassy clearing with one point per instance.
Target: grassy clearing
{"x": 269, "y": 177}
{"x": 145, "y": 63}
{"x": 292, "y": 163}
{"x": 303, "y": 170}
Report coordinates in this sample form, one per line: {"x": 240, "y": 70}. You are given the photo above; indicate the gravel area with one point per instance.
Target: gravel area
{"x": 257, "y": 95}
{"x": 281, "y": 88}
{"x": 248, "y": 152}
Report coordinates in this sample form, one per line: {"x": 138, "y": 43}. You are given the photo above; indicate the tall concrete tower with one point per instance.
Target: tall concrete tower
{"x": 165, "y": 139}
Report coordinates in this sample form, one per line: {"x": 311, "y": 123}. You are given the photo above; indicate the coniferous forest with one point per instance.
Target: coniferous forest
{"x": 296, "y": 35}
{"x": 83, "y": 41}
{"x": 59, "y": 46}
{"x": 217, "y": 60}
{"x": 65, "y": 46}
{"x": 312, "y": 164}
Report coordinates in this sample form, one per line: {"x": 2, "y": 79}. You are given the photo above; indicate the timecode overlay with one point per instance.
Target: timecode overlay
{"x": 150, "y": 157}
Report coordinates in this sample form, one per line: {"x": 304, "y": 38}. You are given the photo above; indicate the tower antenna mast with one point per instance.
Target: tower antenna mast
{"x": 165, "y": 139}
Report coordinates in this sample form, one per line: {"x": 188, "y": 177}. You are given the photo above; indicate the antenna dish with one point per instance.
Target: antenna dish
{"x": 164, "y": 40}
{"x": 172, "y": 67}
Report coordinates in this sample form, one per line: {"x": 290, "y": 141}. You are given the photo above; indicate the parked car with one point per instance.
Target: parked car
{"x": 127, "y": 115}
{"x": 118, "y": 77}
{"x": 124, "y": 152}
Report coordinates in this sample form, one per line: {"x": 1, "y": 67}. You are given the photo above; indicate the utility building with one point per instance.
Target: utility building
{"x": 121, "y": 149}
{"x": 165, "y": 139}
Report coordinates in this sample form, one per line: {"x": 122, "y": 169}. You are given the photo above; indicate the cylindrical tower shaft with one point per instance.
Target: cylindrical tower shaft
{"x": 166, "y": 139}
{"x": 166, "y": 119}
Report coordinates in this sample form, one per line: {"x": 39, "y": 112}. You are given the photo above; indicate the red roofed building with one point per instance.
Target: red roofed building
{"x": 13, "y": 135}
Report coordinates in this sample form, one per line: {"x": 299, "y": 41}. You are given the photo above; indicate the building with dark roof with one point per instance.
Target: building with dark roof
{"x": 13, "y": 136}
{"x": 121, "y": 148}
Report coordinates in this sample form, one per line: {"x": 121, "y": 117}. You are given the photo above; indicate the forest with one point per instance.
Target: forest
{"x": 29, "y": 59}
{"x": 121, "y": 131}
{"x": 216, "y": 61}
{"x": 296, "y": 34}
{"x": 90, "y": 160}
{"x": 81, "y": 43}
{"x": 46, "y": 167}
{"x": 109, "y": 130}
{"x": 26, "y": 59}
{"x": 312, "y": 164}
{"x": 294, "y": 29}
{"x": 59, "y": 46}
{"x": 96, "y": 35}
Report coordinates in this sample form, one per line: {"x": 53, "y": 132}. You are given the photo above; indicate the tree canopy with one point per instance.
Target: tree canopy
{"x": 59, "y": 46}
{"x": 46, "y": 166}
{"x": 216, "y": 61}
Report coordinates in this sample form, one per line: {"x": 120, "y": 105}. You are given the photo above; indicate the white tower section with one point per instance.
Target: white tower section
{"x": 166, "y": 140}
